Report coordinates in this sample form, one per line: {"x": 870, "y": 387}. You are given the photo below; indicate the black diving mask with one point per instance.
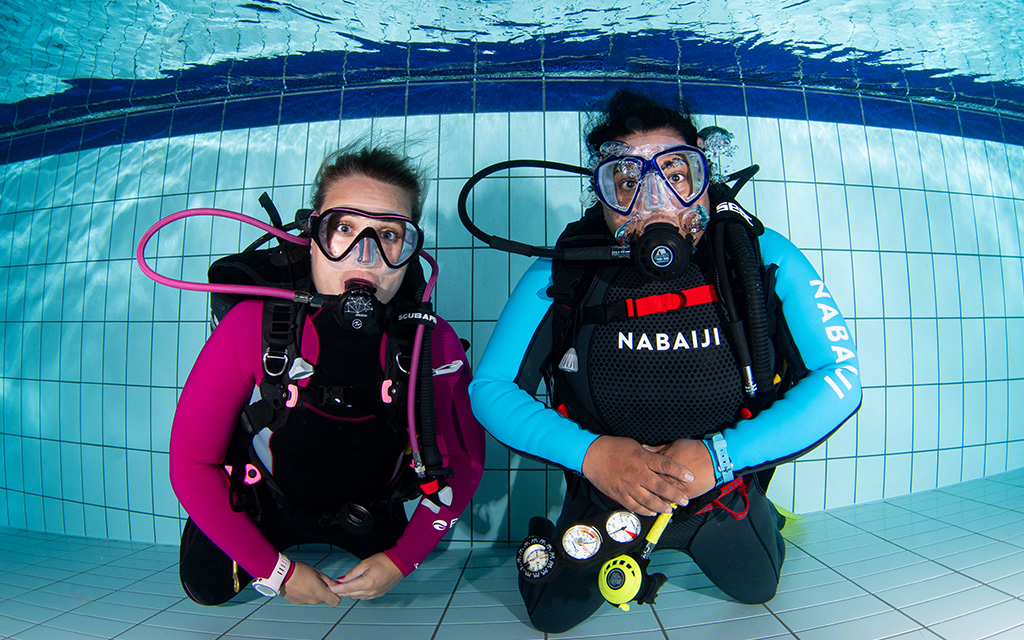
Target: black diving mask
{"x": 390, "y": 237}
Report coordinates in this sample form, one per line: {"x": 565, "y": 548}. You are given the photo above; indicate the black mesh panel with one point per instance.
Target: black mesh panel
{"x": 669, "y": 386}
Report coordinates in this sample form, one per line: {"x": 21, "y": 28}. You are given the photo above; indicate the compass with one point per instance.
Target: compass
{"x": 536, "y": 558}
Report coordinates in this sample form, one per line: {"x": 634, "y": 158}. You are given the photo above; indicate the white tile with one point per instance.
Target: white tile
{"x": 977, "y": 166}
{"x": 882, "y": 156}
{"x": 908, "y": 159}
{"x": 828, "y": 166}
{"x": 888, "y": 624}
{"x": 514, "y": 631}
{"x": 856, "y": 166}
{"x": 765, "y": 626}
{"x": 9, "y": 627}
{"x": 931, "y": 148}
{"x": 814, "y": 596}
{"x": 798, "y": 164}
{"x": 88, "y": 625}
{"x": 888, "y": 565}
{"x": 832, "y": 613}
{"x": 147, "y": 632}
{"x": 955, "y": 605}
{"x": 901, "y": 577}
{"x": 803, "y": 215}
{"x": 922, "y": 591}
{"x": 956, "y": 164}
{"x": 985, "y": 623}
{"x": 765, "y": 137}
{"x": 963, "y": 560}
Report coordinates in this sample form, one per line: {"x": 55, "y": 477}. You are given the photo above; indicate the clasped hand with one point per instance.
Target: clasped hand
{"x": 645, "y": 479}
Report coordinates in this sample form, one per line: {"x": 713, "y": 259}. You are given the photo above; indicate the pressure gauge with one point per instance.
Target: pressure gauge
{"x": 581, "y": 541}
{"x": 536, "y": 558}
{"x": 623, "y": 526}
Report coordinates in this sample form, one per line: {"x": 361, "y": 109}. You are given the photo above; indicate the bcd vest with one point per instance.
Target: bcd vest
{"x": 655, "y": 361}
{"x": 656, "y": 376}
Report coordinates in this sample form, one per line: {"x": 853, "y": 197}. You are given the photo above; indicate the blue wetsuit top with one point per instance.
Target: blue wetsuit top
{"x": 807, "y": 414}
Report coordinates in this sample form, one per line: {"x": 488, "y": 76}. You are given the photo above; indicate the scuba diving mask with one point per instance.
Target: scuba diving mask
{"x": 653, "y": 177}
{"x": 343, "y": 232}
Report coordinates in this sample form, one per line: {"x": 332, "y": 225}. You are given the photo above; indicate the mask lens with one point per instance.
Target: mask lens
{"x": 342, "y": 232}
{"x": 683, "y": 170}
{"x": 618, "y": 180}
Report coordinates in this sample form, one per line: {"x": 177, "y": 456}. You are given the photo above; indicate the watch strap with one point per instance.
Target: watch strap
{"x": 720, "y": 458}
{"x": 271, "y": 586}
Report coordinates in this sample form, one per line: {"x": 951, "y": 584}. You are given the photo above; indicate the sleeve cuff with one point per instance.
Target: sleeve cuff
{"x": 390, "y": 553}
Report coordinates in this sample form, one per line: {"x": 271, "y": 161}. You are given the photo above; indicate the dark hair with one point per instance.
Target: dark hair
{"x": 630, "y": 112}
{"x": 379, "y": 163}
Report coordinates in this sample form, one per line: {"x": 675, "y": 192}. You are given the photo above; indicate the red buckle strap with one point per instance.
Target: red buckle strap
{"x": 671, "y": 301}
{"x": 739, "y": 484}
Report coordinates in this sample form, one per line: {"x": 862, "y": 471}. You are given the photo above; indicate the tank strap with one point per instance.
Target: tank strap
{"x": 660, "y": 303}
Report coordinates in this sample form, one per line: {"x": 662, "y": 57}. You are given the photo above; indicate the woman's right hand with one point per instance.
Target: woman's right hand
{"x": 306, "y": 585}
{"x": 644, "y": 481}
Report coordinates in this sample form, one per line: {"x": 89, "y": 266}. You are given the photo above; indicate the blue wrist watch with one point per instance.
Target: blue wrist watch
{"x": 720, "y": 457}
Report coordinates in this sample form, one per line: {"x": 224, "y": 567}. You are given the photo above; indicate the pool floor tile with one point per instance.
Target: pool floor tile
{"x": 883, "y": 570}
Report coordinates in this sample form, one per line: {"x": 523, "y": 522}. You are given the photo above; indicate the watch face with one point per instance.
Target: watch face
{"x": 264, "y": 589}
{"x": 623, "y": 526}
{"x": 535, "y": 558}
{"x": 581, "y": 541}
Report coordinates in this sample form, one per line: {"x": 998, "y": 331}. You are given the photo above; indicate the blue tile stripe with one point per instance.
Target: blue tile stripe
{"x": 511, "y": 95}
{"x": 555, "y": 73}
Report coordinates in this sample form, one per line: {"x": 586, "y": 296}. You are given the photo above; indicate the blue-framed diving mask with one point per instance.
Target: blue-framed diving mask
{"x": 653, "y": 178}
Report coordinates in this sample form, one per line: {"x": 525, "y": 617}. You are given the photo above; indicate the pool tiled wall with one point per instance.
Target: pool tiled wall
{"x": 912, "y": 213}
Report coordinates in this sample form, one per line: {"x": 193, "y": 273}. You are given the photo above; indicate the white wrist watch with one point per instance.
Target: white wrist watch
{"x": 271, "y": 586}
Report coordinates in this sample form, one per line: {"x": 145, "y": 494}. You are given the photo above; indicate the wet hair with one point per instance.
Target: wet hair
{"x": 379, "y": 163}
{"x": 630, "y": 112}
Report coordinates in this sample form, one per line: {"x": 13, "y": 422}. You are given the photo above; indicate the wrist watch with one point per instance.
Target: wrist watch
{"x": 271, "y": 586}
{"x": 720, "y": 456}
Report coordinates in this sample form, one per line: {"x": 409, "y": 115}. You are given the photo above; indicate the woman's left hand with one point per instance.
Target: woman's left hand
{"x": 369, "y": 579}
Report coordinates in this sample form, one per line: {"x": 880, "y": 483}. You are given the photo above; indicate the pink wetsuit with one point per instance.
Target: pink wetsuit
{"x": 221, "y": 384}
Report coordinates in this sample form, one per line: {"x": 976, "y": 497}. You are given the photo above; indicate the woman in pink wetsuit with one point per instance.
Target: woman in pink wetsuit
{"x": 329, "y": 472}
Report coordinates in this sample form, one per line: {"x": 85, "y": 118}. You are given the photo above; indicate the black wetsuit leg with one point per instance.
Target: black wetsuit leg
{"x": 743, "y": 557}
{"x": 572, "y": 596}
{"x": 207, "y": 573}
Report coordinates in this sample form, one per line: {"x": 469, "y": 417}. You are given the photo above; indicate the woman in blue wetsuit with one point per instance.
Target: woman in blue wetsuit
{"x": 650, "y": 405}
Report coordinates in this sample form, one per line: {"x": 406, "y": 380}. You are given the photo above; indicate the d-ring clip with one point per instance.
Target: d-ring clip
{"x": 275, "y": 357}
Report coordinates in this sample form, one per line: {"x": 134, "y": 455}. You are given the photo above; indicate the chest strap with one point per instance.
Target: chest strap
{"x": 660, "y": 303}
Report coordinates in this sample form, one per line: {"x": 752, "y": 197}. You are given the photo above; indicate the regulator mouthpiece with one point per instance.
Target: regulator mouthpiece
{"x": 358, "y": 308}
{"x": 661, "y": 252}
